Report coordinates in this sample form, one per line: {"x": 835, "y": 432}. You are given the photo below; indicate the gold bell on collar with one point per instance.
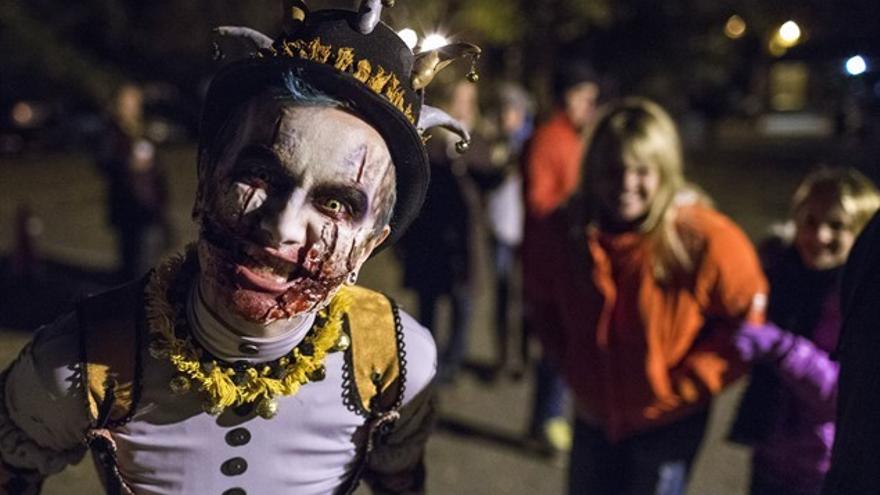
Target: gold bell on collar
{"x": 212, "y": 409}
{"x": 267, "y": 408}
{"x": 342, "y": 344}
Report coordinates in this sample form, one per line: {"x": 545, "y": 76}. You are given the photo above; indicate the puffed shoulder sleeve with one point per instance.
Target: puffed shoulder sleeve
{"x": 43, "y": 416}
{"x": 397, "y": 463}
{"x": 421, "y": 356}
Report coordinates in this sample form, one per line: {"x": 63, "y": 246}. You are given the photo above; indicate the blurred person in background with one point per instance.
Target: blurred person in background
{"x": 552, "y": 173}
{"x": 137, "y": 189}
{"x": 787, "y": 411}
{"x": 25, "y": 268}
{"x": 855, "y": 456}
{"x": 505, "y": 215}
{"x": 648, "y": 285}
{"x": 438, "y": 250}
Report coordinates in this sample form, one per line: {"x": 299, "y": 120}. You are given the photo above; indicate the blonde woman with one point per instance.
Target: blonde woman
{"x": 651, "y": 284}
{"x": 788, "y": 411}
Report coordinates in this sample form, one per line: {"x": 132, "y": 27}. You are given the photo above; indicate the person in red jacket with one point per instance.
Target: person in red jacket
{"x": 648, "y": 286}
{"x": 552, "y": 162}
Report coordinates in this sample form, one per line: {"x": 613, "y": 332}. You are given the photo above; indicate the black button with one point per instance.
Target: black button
{"x": 244, "y": 410}
{"x": 249, "y": 348}
{"x": 235, "y": 491}
{"x": 234, "y": 466}
{"x": 238, "y": 437}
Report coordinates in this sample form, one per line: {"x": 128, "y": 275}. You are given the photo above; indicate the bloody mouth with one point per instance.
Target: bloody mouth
{"x": 262, "y": 284}
{"x": 260, "y": 269}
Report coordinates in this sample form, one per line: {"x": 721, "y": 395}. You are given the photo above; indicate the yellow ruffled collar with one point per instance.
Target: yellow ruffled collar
{"x": 221, "y": 384}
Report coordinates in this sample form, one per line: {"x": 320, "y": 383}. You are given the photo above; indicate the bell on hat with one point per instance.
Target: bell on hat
{"x": 354, "y": 57}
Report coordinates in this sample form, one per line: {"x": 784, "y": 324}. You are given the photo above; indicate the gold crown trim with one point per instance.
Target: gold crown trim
{"x": 374, "y": 77}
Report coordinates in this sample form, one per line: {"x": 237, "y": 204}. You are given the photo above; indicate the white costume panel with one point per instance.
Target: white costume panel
{"x": 171, "y": 445}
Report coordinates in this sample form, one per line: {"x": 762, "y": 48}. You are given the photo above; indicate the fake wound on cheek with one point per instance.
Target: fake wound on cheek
{"x": 337, "y": 252}
{"x": 321, "y": 256}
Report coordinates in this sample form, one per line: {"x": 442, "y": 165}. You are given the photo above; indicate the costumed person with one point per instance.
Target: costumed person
{"x": 505, "y": 211}
{"x": 787, "y": 411}
{"x": 438, "y": 250}
{"x": 855, "y": 456}
{"x": 552, "y": 173}
{"x": 252, "y": 363}
{"x": 649, "y": 286}
{"x": 137, "y": 189}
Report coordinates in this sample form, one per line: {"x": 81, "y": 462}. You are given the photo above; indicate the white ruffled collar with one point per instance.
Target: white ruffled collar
{"x": 223, "y": 342}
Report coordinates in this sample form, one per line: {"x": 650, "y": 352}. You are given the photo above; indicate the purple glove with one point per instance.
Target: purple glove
{"x": 762, "y": 342}
{"x": 803, "y": 367}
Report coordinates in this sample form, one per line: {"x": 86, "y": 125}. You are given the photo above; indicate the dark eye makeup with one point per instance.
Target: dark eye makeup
{"x": 258, "y": 166}
{"x": 340, "y": 201}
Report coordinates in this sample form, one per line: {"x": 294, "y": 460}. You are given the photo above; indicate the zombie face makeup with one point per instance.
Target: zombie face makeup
{"x": 296, "y": 203}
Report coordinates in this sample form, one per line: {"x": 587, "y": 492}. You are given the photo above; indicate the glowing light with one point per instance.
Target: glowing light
{"x": 433, "y": 41}
{"x": 735, "y": 27}
{"x": 23, "y": 113}
{"x": 789, "y": 34}
{"x": 775, "y": 47}
{"x": 856, "y": 65}
{"x": 409, "y": 37}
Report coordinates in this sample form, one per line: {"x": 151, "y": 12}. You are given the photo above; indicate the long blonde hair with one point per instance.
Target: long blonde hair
{"x": 637, "y": 130}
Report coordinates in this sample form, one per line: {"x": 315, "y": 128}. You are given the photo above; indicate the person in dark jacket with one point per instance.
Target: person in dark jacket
{"x": 438, "y": 251}
{"x": 505, "y": 212}
{"x": 137, "y": 188}
{"x": 787, "y": 412}
{"x": 856, "y": 455}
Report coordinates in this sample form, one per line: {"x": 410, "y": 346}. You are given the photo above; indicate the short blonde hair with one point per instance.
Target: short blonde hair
{"x": 847, "y": 187}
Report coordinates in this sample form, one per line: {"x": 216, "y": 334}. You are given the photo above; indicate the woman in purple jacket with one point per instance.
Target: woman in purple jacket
{"x": 787, "y": 412}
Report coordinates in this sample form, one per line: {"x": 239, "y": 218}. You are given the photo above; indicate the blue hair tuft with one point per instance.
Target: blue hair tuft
{"x": 299, "y": 91}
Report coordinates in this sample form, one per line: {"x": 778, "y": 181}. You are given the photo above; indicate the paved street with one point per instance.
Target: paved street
{"x": 477, "y": 449}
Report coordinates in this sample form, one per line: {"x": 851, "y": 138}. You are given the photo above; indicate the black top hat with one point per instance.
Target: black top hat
{"x": 356, "y": 58}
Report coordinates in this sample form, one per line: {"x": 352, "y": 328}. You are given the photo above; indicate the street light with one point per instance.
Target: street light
{"x": 856, "y": 65}
{"x": 735, "y": 27}
{"x": 23, "y": 114}
{"x": 789, "y": 34}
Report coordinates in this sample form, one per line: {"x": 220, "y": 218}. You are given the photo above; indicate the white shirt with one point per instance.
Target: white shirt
{"x": 170, "y": 446}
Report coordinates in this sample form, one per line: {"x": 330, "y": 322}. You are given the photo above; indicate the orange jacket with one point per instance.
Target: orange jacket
{"x": 638, "y": 354}
{"x": 552, "y": 165}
